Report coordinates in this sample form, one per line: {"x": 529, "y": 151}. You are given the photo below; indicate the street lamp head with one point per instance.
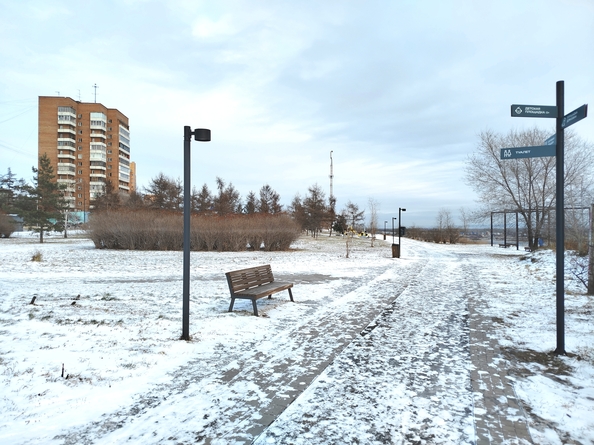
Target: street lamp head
{"x": 201, "y": 134}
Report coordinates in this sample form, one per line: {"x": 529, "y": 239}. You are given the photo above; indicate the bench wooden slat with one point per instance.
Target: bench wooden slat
{"x": 253, "y": 283}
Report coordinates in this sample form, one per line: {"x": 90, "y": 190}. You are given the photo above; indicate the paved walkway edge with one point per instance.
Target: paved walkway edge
{"x": 498, "y": 414}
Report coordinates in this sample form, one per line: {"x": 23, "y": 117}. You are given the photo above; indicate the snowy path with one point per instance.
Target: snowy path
{"x": 374, "y": 350}
{"x": 406, "y": 381}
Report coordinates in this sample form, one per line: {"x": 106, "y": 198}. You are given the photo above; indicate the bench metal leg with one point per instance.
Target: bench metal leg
{"x": 255, "y": 307}
{"x": 231, "y": 305}
{"x": 290, "y": 294}
{"x": 270, "y": 296}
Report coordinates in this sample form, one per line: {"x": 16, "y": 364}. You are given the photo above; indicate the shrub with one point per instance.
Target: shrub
{"x": 163, "y": 230}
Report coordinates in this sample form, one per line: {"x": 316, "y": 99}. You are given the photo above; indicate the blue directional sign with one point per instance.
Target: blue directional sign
{"x": 576, "y": 115}
{"x": 551, "y": 140}
{"x": 528, "y": 152}
{"x": 533, "y": 111}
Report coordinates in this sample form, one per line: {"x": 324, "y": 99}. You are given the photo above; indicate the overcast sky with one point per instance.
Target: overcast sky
{"x": 397, "y": 89}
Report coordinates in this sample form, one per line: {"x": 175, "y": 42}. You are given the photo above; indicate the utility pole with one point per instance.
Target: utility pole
{"x": 331, "y": 175}
{"x": 591, "y": 253}
{"x": 331, "y": 200}
{"x": 95, "y": 86}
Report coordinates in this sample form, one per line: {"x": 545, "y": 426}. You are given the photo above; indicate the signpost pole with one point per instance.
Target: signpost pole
{"x": 560, "y": 216}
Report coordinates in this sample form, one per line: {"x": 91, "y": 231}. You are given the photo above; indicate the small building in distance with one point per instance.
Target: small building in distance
{"x": 88, "y": 145}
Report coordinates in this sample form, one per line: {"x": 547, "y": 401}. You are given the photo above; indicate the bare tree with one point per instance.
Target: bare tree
{"x": 446, "y": 232}
{"x": 228, "y": 199}
{"x": 165, "y": 193}
{"x": 355, "y": 217}
{"x": 202, "y": 201}
{"x": 525, "y": 185}
{"x": 465, "y": 218}
{"x": 108, "y": 199}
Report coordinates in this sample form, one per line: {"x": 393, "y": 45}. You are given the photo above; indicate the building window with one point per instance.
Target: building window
{"x": 79, "y": 139}
{"x": 80, "y": 156}
{"x": 110, "y": 175}
{"x": 79, "y": 131}
{"x": 109, "y": 167}
{"x": 80, "y": 116}
{"x": 79, "y": 147}
{"x": 108, "y": 151}
{"x": 80, "y": 172}
{"x": 80, "y": 163}
{"x": 80, "y": 195}
{"x": 109, "y": 144}
{"x": 80, "y": 124}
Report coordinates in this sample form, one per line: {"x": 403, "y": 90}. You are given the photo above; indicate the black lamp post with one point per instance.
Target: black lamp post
{"x": 385, "y": 224}
{"x": 200, "y": 134}
{"x": 394, "y": 253}
{"x": 393, "y": 218}
{"x": 400, "y": 210}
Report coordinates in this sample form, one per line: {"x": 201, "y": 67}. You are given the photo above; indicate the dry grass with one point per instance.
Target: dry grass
{"x": 160, "y": 230}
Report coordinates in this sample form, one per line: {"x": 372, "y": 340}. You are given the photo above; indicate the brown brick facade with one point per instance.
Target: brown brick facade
{"x": 88, "y": 144}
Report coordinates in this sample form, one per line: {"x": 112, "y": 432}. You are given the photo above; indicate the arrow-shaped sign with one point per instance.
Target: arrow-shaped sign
{"x": 576, "y": 115}
{"x": 551, "y": 140}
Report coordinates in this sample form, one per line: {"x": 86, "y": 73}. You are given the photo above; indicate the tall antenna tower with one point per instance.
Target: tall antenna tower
{"x": 95, "y": 86}
{"x": 331, "y": 175}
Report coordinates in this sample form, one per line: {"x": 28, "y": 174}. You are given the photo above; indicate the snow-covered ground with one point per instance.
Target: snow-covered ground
{"x": 374, "y": 349}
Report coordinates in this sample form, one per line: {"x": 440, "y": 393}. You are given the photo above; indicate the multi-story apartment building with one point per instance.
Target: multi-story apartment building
{"x": 88, "y": 145}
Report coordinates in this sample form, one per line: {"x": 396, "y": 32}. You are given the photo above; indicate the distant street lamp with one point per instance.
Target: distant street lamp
{"x": 394, "y": 253}
{"x": 385, "y": 224}
{"x": 203, "y": 135}
{"x": 400, "y": 210}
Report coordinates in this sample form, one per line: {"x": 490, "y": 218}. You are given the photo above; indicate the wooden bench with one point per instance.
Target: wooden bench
{"x": 253, "y": 283}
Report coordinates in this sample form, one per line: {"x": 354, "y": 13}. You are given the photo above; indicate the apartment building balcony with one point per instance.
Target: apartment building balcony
{"x": 66, "y": 168}
{"x": 69, "y": 183}
{"x": 98, "y": 135}
{"x": 69, "y": 119}
{"x": 95, "y": 174}
{"x": 124, "y": 187}
{"x": 67, "y": 130}
{"x": 98, "y": 156}
{"x": 66, "y": 156}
